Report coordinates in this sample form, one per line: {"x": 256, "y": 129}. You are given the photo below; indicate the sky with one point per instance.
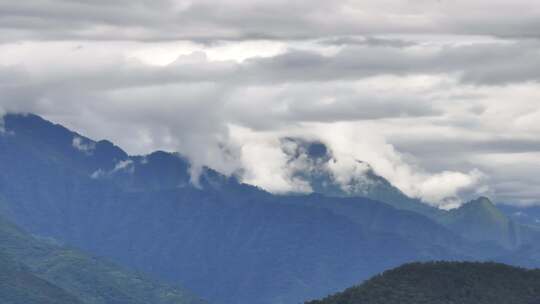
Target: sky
{"x": 440, "y": 97}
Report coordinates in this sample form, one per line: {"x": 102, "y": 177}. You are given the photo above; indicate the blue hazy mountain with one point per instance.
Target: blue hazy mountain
{"x": 227, "y": 241}
{"x": 477, "y": 221}
{"x": 525, "y": 215}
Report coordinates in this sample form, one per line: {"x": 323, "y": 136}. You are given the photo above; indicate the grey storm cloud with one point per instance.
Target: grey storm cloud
{"x": 482, "y": 64}
{"x": 209, "y": 21}
{"x": 368, "y": 41}
{"x": 478, "y": 64}
{"x": 438, "y": 96}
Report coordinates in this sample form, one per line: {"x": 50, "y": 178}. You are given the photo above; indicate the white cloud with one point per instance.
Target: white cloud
{"x": 123, "y": 165}
{"x": 98, "y": 174}
{"x": 264, "y": 163}
{"x": 353, "y": 142}
{"x": 83, "y": 145}
{"x": 447, "y": 184}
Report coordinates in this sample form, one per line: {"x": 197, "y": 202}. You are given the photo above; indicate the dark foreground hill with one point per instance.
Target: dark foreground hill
{"x": 445, "y": 283}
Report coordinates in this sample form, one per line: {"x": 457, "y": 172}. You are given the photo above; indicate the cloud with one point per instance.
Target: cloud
{"x": 191, "y": 106}
{"x": 121, "y": 166}
{"x": 98, "y": 174}
{"x": 209, "y": 21}
{"x": 82, "y": 145}
{"x": 368, "y": 41}
{"x": 447, "y": 184}
{"x": 274, "y": 164}
{"x": 124, "y": 165}
{"x": 437, "y": 96}
{"x": 483, "y": 63}
{"x": 350, "y": 144}
{"x": 265, "y": 164}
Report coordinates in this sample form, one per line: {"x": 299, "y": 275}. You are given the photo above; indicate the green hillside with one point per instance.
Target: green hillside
{"x": 479, "y": 220}
{"x": 18, "y": 285}
{"x": 47, "y": 273}
{"x": 445, "y": 283}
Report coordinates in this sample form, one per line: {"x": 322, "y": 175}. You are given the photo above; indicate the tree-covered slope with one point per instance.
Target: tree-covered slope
{"x": 480, "y": 220}
{"x": 445, "y": 283}
{"x": 40, "y": 264}
{"x": 18, "y": 285}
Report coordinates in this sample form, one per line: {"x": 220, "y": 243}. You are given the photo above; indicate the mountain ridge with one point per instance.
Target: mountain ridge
{"x": 225, "y": 240}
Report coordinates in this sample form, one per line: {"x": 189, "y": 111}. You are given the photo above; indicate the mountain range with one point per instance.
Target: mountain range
{"x": 229, "y": 242}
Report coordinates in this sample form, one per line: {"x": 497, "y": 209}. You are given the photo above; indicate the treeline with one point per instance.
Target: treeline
{"x": 445, "y": 283}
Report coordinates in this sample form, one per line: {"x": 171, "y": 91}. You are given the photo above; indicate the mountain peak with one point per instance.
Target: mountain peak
{"x": 481, "y": 206}
{"x": 312, "y": 161}
{"x": 481, "y": 220}
{"x": 482, "y": 203}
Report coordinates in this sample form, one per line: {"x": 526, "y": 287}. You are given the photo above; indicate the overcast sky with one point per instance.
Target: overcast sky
{"x": 441, "y": 97}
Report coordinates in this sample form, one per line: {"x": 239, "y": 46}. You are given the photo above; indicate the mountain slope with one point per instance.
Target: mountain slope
{"x": 477, "y": 221}
{"x": 18, "y": 285}
{"x": 526, "y": 215}
{"x": 226, "y": 241}
{"x": 445, "y": 283}
{"x": 412, "y": 226}
{"x": 480, "y": 220}
{"x": 92, "y": 280}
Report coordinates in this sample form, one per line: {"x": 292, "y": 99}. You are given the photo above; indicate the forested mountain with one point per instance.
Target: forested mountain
{"x": 40, "y": 271}
{"x": 224, "y": 240}
{"x": 19, "y": 285}
{"x": 480, "y": 220}
{"x": 445, "y": 283}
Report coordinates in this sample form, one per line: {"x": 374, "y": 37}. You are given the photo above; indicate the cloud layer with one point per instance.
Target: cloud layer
{"x": 439, "y": 97}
